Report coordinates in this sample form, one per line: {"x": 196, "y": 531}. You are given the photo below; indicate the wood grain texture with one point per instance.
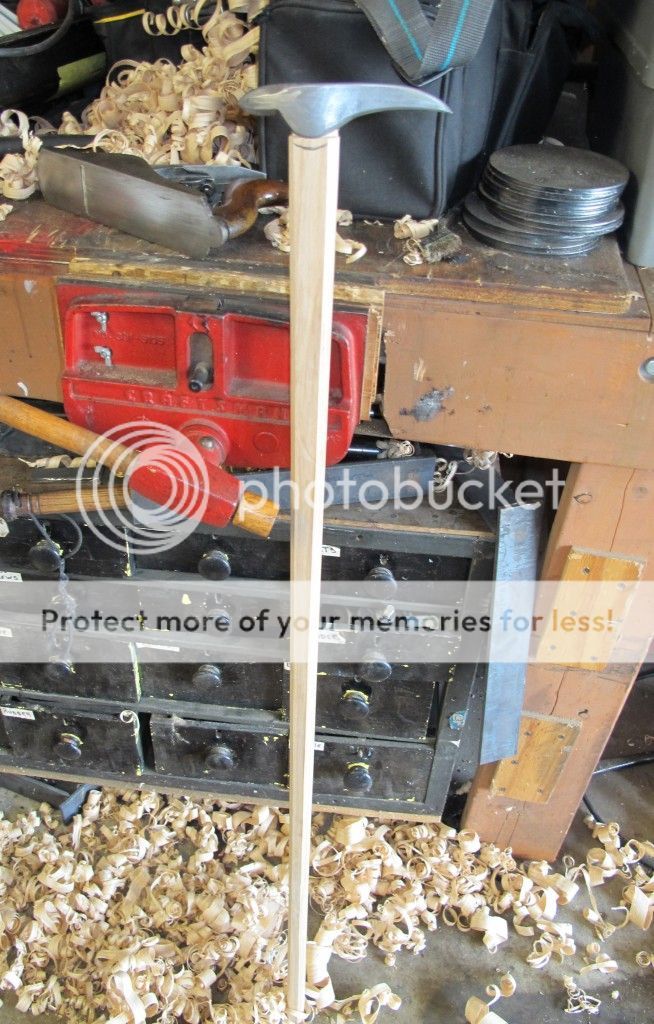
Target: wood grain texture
{"x": 592, "y": 650}
{"x": 507, "y": 383}
{"x": 544, "y": 746}
{"x": 313, "y": 175}
{"x": 32, "y": 347}
{"x": 611, "y": 509}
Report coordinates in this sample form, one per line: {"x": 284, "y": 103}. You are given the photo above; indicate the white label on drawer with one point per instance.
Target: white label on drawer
{"x": 18, "y": 713}
{"x": 330, "y": 636}
{"x": 5, "y": 632}
{"x": 159, "y": 647}
{"x": 318, "y": 745}
{"x": 10, "y": 577}
{"x": 329, "y": 551}
{"x": 287, "y": 666}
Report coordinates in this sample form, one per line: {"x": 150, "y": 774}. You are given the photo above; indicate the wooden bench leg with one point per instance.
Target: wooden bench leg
{"x": 611, "y": 510}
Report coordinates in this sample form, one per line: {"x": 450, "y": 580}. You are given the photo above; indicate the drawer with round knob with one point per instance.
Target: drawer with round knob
{"x": 102, "y": 669}
{"x": 361, "y": 768}
{"x": 393, "y": 708}
{"x": 185, "y": 747}
{"x": 212, "y": 682}
{"x": 375, "y": 697}
{"x": 219, "y": 556}
{"x": 68, "y": 543}
{"x": 46, "y": 735}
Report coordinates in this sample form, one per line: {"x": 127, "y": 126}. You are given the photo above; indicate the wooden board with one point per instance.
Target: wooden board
{"x": 544, "y": 747}
{"x": 505, "y": 382}
{"x": 611, "y": 509}
{"x": 32, "y": 348}
{"x": 592, "y": 650}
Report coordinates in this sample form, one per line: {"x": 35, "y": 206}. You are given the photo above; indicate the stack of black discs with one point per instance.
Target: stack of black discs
{"x": 547, "y": 200}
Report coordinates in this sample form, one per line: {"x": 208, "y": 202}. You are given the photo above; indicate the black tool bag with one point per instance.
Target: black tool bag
{"x": 499, "y": 65}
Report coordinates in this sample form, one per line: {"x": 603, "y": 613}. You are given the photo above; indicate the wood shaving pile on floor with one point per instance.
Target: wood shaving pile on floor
{"x": 150, "y": 907}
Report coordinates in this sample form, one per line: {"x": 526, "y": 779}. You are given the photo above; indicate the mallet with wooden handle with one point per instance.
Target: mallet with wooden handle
{"x": 224, "y": 500}
{"x": 314, "y": 114}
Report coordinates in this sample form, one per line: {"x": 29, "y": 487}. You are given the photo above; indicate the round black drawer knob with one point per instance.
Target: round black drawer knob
{"x": 221, "y": 758}
{"x": 354, "y": 705}
{"x": 45, "y": 556}
{"x": 68, "y": 747}
{"x": 380, "y": 574}
{"x": 374, "y": 669}
{"x": 357, "y": 778}
{"x": 214, "y": 565}
{"x": 207, "y": 676}
{"x": 59, "y": 672}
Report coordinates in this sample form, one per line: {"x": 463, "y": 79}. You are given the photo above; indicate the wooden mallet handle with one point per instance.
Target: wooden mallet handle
{"x": 225, "y": 499}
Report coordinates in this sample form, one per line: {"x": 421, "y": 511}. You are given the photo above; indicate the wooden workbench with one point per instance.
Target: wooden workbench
{"x": 538, "y": 357}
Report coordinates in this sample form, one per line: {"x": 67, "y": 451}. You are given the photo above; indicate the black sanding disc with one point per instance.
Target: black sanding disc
{"x": 500, "y": 234}
{"x": 551, "y": 170}
{"x": 567, "y": 204}
{"x": 506, "y": 207}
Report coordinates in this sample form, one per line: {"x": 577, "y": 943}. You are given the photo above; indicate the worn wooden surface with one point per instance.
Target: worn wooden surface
{"x": 503, "y": 382}
{"x": 597, "y": 282}
{"x": 32, "y": 347}
{"x": 611, "y": 509}
{"x": 543, "y": 749}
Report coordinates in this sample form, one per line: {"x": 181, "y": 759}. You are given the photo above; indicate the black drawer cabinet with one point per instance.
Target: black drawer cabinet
{"x": 210, "y": 682}
{"x": 390, "y": 734}
{"x": 48, "y": 736}
{"x": 207, "y": 750}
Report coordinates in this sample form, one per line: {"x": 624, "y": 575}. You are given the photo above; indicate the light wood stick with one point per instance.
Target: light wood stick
{"x": 62, "y": 433}
{"x": 313, "y": 176}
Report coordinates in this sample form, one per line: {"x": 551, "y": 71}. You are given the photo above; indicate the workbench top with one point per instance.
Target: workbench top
{"x": 599, "y": 282}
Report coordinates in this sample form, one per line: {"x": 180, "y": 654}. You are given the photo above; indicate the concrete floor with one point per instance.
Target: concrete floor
{"x": 434, "y": 986}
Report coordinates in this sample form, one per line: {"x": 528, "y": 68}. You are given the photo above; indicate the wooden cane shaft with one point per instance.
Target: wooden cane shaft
{"x": 313, "y": 179}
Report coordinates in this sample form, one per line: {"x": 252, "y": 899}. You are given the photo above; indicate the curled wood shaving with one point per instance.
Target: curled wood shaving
{"x": 407, "y": 227}
{"x": 5, "y": 210}
{"x": 479, "y": 1012}
{"x": 645, "y": 959}
{"x": 578, "y": 1000}
{"x": 277, "y": 233}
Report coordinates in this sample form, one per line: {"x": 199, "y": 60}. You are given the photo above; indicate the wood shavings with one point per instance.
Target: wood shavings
{"x": 479, "y": 1012}
{"x": 164, "y": 113}
{"x": 5, "y": 210}
{"x": 277, "y": 233}
{"x": 578, "y": 1000}
{"x": 407, "y": 227}
{"x": 419, "y": 247}
{"x": 645, "y": 959}
{"x": 165, "y": 908}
